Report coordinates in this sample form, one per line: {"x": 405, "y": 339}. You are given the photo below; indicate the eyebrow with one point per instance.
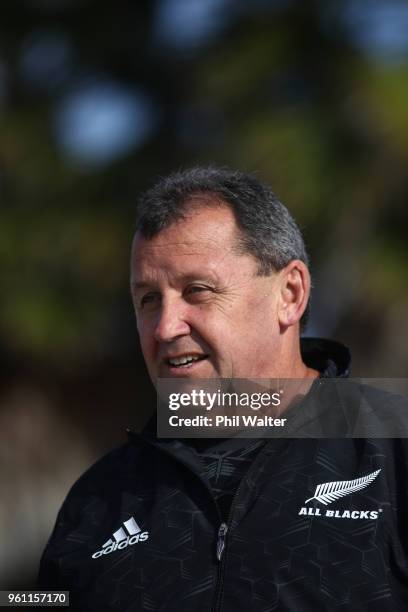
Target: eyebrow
{"x": 187, "y": 278}
{"x": 139, "y": 284}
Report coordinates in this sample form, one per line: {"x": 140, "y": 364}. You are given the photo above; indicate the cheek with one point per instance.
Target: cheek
{"x": 220, "y": 333}
{"x": 210, "y": 323}
{"x": 146, "y": 339}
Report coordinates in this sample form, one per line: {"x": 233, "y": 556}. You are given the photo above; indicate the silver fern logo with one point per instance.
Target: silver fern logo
{"x": 328, "y": 492}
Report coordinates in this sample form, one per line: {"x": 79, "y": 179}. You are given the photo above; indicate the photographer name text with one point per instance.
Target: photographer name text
{"x": 226, "y": 421}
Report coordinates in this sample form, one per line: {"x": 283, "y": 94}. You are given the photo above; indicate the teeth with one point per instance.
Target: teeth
{"x": 183, "y": 360}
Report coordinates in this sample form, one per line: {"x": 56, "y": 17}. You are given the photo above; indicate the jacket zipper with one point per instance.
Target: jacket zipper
{"x": 223, "y": 529}
{"x": 221, "y": 552}
{"x": 222, "y": 532}
{"x": 219, "y": 584}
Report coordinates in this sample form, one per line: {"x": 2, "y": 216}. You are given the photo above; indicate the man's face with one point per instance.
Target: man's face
{"x": 201, "y": 309}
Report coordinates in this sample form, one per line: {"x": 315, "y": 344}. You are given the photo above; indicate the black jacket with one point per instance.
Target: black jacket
{"x": 141, "y": 530}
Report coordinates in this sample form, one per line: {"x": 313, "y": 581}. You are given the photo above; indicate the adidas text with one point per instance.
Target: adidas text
{"x": 129, "y": 541}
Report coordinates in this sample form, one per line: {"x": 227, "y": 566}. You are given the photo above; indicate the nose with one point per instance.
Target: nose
{"x": 171, "y": 321}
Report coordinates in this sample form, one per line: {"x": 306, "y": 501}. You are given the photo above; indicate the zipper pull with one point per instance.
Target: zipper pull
{"x": 222, "y": 532}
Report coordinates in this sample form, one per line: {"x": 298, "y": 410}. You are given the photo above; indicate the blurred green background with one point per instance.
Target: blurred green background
{"x": 99, "y": 98}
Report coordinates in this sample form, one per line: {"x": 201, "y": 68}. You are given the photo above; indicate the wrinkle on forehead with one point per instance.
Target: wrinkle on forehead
{"x": 187, "y": 248}
{"x": 202, "y": 228}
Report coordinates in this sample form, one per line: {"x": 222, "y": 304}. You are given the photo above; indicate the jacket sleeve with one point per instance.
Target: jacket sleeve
{"x": 48, "y": 578}
{"x": 48, "y": 575}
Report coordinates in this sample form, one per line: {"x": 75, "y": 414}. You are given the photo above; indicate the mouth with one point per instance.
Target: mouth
{"x": 186, "y": 361}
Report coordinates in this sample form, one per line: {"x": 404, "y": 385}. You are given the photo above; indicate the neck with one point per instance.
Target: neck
{"x": 291, "y": 364}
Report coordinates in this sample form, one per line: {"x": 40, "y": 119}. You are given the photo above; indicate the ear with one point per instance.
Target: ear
{"x": 294, "y": 293}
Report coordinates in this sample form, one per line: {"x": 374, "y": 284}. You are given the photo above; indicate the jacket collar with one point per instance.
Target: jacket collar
{"x": 328, "y": 357}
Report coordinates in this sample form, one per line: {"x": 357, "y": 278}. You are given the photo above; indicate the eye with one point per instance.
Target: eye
{"x": 149, "y": 301}
{"x": 196, "y": 289}
{"x": 197, "y": 293}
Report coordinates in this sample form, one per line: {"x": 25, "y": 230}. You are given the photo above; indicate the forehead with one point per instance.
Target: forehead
{"x": 206, "y": 235}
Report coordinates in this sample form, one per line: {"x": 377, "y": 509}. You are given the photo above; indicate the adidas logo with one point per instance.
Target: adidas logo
{"x": 122, "y": 539}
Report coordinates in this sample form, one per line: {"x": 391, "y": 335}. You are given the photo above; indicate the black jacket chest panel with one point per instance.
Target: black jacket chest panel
{"x": 282, "y": 553}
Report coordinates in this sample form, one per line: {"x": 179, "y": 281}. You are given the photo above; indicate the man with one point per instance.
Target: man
{"x": 220, "y": 284}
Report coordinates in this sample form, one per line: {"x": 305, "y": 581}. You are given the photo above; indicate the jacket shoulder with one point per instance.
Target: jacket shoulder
{"x": 374, "y": 411}
{"x": 115, "y": 466}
